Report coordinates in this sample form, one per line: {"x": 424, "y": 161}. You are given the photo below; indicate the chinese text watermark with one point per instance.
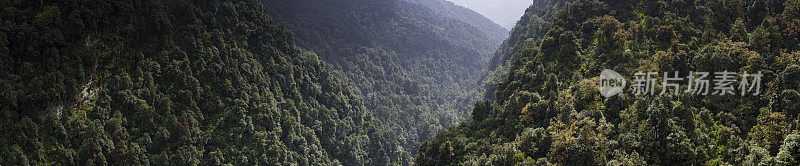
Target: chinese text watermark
{"x": 698, "y": 83}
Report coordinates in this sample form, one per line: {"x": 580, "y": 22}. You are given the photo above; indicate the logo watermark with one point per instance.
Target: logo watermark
{"x": 699, "y": 83}
{"x": 611, "y": 83}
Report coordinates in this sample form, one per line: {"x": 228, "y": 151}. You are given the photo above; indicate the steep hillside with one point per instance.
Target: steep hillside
{"x": 546, "y": 106}
{"x": 530, "y": 26}
{"x": 416, "y": 69}
{"x": 503, "y": 12}
{"x": 453, "y": 11}
{"x": 140, "y": 82}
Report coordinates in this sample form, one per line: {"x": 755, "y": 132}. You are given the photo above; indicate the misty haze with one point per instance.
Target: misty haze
{"x": 400, "y": 82}
{"x": 503, "y": 12}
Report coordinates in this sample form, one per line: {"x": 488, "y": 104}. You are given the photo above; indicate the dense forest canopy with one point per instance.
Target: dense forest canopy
{"x": 417, "y": 64}
{"x": 395, "y": 82}
{"x": 450, "y": 10}
{"x": 175, "y": 82}
{"x": 544, "y": 106}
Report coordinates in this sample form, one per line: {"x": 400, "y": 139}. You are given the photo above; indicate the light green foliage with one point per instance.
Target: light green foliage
{"x": 559, "y": 47}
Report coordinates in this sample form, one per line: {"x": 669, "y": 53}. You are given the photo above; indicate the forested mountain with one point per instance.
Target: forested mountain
{"x": 529, "y": 26}
{"x": 450, "y": 10}
{"x": 503, "y": 12}
{"x": 415, "y": 64}
{"x": 174, "y": 82}
{"x": 546, "y": 106}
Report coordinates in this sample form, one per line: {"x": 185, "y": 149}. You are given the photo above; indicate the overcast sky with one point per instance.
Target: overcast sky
{"x": 503, "y": 12}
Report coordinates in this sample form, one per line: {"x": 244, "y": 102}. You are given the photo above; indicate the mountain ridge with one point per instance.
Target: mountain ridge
{"x": 543, "y": 104}
{"x": 416, "y": 68}
{"x": 174, "y": 83}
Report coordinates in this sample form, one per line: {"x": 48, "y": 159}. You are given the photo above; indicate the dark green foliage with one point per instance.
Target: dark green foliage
{"x": 415, "y": 63}
{"x": 558, "y": 49}
{"x": 88, "y": 82}
{"x": 451, "y": 10}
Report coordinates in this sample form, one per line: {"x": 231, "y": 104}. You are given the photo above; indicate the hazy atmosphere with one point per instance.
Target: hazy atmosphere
{"x": 400, "y": 82}
{"x": 503, "y": 12}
